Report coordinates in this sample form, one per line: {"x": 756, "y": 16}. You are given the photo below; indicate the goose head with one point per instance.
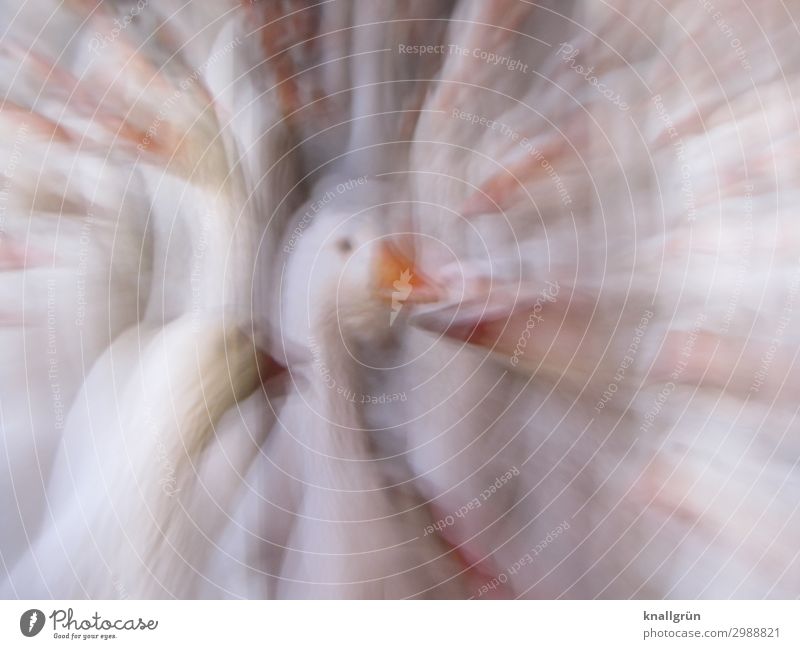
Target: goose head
{"x": 349, "y": 278}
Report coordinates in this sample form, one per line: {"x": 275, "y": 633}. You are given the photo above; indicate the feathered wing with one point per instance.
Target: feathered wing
{"x": 630, "y": 196}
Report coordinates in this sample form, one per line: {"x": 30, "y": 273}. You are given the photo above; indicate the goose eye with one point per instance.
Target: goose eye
{"x": 344, "y": 245}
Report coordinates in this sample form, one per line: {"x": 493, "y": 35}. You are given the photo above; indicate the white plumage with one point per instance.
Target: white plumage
{"x": 296, "y": 307}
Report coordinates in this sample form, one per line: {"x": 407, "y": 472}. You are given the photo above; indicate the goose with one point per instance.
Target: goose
{"x": 307, "y": 308}
{"x": 153, "y": 358}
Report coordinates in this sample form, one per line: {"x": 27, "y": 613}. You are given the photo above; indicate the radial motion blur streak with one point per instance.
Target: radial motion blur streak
{"x": 377, "y": 299}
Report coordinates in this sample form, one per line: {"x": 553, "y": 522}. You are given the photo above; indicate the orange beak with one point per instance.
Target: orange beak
{"x": 396, "y": 277}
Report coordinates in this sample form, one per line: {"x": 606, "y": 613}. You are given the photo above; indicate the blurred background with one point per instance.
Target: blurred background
{"x": 378, "y": 299}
